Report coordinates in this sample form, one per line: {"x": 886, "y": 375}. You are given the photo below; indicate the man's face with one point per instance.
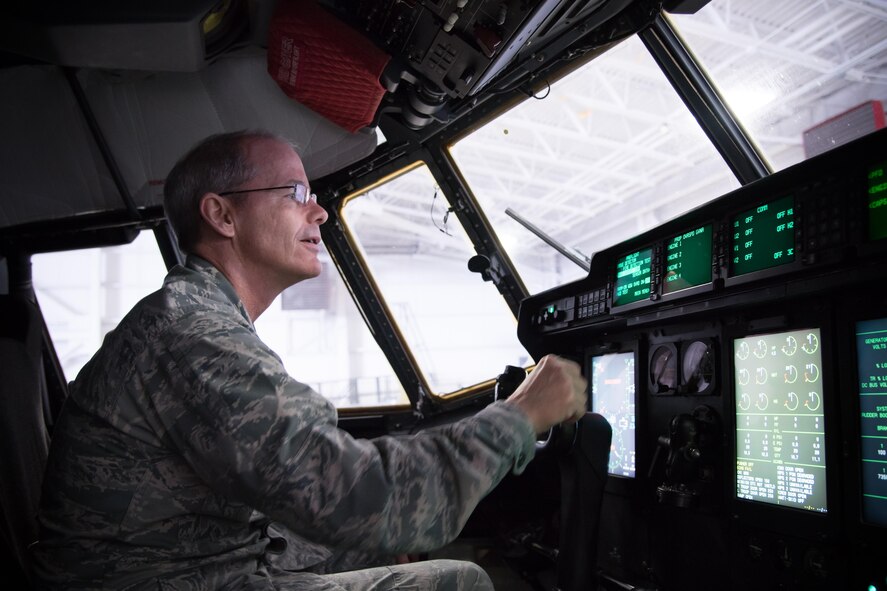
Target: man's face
{"x": 275, "y": 234}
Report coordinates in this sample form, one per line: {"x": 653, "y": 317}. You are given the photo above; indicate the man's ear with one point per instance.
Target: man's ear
{"x": 218, "y": 214}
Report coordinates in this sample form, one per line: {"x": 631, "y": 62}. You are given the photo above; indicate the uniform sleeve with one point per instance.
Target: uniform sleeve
{"x": 258, "y": 436}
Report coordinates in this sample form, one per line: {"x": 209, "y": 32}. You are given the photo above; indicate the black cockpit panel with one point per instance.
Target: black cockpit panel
{"x": 740, "y": 353}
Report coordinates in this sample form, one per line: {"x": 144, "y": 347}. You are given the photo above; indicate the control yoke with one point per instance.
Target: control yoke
{"x": 560, "y": 436}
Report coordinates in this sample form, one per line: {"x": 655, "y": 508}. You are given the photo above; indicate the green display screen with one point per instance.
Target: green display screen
{"x": 871, "y": 361}
{"x": 764, "y": 237}
{"x": 780, "y": 420}
{"x": 877, "y": 201}
{"x": 688, "y": 260}
{"x": 633, "y": 277}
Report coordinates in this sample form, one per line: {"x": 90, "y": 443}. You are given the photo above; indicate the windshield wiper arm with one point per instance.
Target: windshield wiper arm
{"x": 573, "y": 254}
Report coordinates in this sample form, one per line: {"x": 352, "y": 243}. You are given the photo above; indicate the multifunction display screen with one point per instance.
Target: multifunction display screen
{"x": 871, "y": 359}
{"x": 688, "y": 260}
{"x": 780, "y": 425}
{"x": 877, "y": 201}
{"x": 613, "y": 397}
{"x": 763, "y": 237}
{"x": 633, "y": 277}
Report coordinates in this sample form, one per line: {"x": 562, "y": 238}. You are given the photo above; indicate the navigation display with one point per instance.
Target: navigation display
{"x": 871, "y": 359}
{"x": 763, "y": 237}
{"x": 780, "y": 425}
{"x": 613, "y": 397}
{"x": 877, "y": 201}
{"x": 688, "y": 260}
{"x": 633, "y": 277}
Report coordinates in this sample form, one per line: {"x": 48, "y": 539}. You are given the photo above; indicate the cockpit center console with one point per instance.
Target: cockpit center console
{"x": 740, "y": 354}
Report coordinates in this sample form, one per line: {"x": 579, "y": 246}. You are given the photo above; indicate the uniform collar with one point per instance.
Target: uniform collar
{"x": 205, "y": 268}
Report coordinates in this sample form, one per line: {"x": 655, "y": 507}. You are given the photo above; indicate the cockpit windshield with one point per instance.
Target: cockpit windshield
{"x": 610, "y": 151}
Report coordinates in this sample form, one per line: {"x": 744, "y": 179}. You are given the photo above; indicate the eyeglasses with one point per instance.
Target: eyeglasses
{"x": 299, "y": 194}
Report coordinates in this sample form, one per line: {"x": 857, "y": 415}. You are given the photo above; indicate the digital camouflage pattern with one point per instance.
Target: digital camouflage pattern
{"x": 184, "y": 437}
{"x": 434, "y": 574}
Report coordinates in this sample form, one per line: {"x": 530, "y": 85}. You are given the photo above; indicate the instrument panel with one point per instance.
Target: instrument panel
{"x": 750, "y": 337}
{"x": 795, "y": 223}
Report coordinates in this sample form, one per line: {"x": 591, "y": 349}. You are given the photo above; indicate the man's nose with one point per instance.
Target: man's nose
{"x": 319, "y": 215}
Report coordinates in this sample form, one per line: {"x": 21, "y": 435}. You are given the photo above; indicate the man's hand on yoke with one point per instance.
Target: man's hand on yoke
{"x": 555, "y": 392}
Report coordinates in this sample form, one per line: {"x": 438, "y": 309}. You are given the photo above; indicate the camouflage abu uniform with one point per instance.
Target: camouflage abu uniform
{"x": 185, "y": 430}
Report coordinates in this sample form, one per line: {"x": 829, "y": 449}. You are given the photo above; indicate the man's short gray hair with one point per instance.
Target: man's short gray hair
{"x": 215, "y": 165}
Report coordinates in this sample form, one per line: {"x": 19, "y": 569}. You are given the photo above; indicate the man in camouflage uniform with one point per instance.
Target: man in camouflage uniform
{"x": 187, "y": 458}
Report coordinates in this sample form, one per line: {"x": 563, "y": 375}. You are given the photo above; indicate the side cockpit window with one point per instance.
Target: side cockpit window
{"x": 318, "y": 331}
{"x": 314, "y": 326}
{"x": 458, "y": 328}
{"x": 84, "y": 294}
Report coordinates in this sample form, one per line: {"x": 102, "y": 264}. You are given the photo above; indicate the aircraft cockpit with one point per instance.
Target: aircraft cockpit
{"x": 688, "y": 198}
